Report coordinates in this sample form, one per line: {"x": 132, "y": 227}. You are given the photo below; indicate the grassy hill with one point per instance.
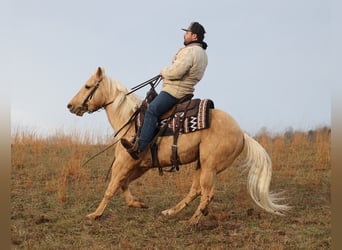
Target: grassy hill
{"x": 51, "y": 192}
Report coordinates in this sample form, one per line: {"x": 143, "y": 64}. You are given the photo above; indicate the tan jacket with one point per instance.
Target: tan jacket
{"x": 186, "y": 70}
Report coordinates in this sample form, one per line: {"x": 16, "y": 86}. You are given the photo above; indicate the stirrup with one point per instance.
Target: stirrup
{"x": 131, "y": 148}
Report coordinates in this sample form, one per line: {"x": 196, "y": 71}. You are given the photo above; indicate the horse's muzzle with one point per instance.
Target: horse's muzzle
{"x": 77, "y": 110}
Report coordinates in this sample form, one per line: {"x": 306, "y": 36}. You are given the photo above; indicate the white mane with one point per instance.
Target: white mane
{"x": 123, "y": 104}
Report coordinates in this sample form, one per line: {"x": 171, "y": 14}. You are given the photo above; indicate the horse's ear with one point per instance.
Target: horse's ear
{"x": 100, "y": 73}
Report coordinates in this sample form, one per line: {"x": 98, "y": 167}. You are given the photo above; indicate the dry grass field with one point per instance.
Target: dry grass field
{"x": 51, "y": 192}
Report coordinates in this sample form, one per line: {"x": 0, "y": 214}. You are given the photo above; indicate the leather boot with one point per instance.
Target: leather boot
{"x": 131, "y": 148}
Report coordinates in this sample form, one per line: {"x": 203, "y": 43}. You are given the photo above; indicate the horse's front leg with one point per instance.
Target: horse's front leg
{"x": 132, "y": 201}
{"x": 119, "y": 175}
{"x": 110, "y": 192}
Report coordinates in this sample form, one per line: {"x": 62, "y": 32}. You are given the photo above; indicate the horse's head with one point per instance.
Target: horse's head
{"x": 91, "y": 96}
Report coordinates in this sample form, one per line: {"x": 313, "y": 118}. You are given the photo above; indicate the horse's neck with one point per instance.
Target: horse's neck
{"x": 122, "y": 108}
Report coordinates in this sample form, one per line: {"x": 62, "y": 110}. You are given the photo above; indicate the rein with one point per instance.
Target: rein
{"x": 154, "y": 81}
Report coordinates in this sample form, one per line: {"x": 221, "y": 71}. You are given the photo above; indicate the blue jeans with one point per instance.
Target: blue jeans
{"x": 161, "y": 104}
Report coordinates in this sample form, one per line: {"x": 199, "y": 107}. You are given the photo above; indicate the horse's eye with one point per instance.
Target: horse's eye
{"x": 87, "y": 87}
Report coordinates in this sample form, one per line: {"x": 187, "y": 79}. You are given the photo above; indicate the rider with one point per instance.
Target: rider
{"x": 187, "y": 69}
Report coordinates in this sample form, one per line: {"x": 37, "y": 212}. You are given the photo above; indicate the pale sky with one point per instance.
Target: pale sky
{"x": 269, "y": 61}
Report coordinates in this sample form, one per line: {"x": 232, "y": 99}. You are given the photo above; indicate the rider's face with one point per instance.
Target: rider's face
{"x": 189, "y": 37}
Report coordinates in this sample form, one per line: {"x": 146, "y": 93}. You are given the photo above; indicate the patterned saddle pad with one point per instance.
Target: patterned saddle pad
{"x": 196, "y": 117}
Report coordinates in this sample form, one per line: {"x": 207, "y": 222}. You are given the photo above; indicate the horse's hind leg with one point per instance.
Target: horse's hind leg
{"x": 207, "y": 191}
{"x": 194, "y": 192}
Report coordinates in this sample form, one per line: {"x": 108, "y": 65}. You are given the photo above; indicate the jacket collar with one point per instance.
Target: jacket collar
{"x": 202, "y": 44}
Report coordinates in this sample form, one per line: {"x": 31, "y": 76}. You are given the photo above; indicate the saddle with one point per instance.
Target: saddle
{"x": 188, "y": 115}
{"x": 186, "y": 104}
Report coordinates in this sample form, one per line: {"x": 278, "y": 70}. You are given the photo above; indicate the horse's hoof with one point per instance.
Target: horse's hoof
{"x": 166, "y": 212}
{"x": 143, "y": 205}
{"x": 92, "y": 216}
{"x": 193, "y": 222}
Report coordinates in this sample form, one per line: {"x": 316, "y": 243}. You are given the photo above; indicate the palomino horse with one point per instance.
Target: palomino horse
{"x": 214, "y": 149}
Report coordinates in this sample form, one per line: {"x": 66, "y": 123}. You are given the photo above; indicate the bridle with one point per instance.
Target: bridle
{"x": 90, "y": 96}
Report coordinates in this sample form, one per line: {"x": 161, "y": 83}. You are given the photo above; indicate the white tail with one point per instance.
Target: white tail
{"x": 259, "y": 177}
